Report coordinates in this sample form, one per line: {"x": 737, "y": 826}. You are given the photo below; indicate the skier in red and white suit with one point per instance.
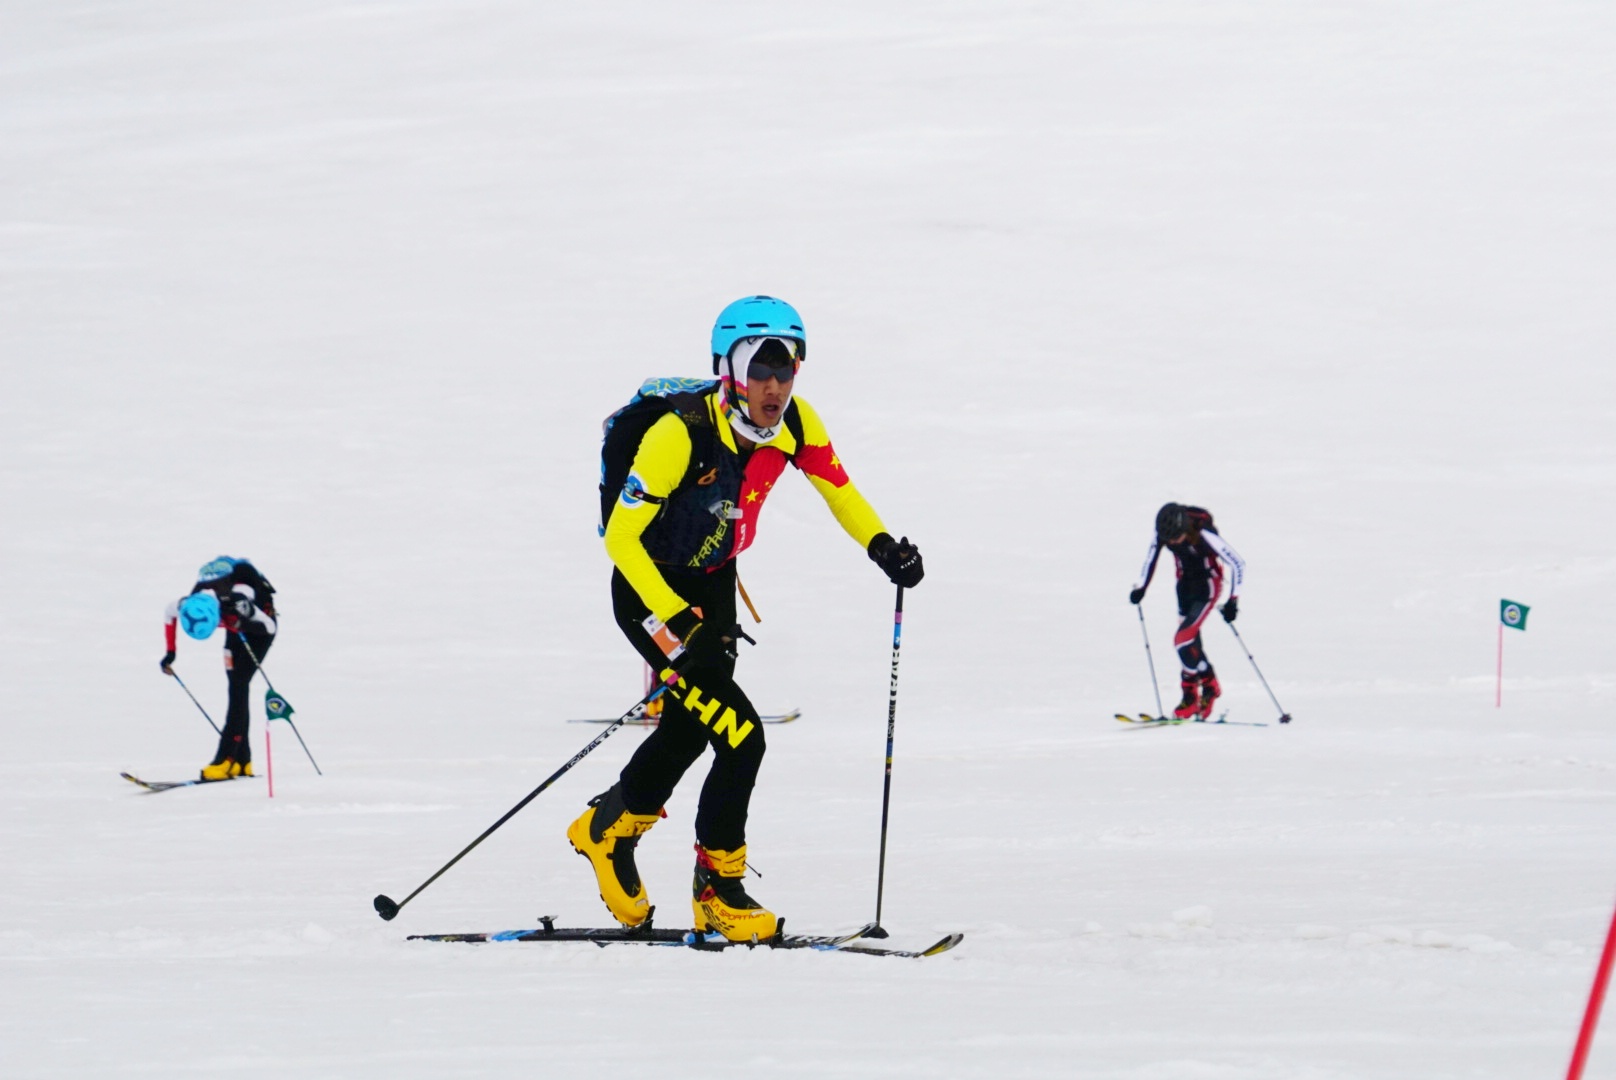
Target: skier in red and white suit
{"x": 1200, "y": 554}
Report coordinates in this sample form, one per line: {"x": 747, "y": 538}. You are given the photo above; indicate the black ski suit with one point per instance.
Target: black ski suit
{"x": 1199, "y": 561}
{"x": 259, "y": 628}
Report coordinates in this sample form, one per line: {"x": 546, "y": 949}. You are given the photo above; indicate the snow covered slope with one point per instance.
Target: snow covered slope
{"x": 348, "y": 289}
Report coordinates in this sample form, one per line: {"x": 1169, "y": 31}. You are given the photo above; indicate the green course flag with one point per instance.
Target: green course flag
{"x": 1512, "y": 615}
{"x": 277, "y": 707}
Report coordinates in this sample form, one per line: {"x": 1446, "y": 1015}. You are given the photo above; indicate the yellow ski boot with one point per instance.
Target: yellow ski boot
{"x": 225, "y": 769}
{"x": 232, "y": 759}
{"x": 721, "y": 903}
{"x": 606, "y": 834}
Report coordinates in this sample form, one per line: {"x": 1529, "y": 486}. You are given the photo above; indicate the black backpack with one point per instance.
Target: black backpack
{"x": 248, "y": 574}
{"x": 242, "y": 572}
{"x": 627, "y": 426}
{"x": 655, "y": 399}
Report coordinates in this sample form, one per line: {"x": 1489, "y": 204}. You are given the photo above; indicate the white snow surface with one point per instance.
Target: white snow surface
{"x": 347, "y": 288}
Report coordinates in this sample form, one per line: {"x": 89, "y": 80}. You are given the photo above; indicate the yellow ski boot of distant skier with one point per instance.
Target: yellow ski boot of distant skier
{"x": 226, "y": 769}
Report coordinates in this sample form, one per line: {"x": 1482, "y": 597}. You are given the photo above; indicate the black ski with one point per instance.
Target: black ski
{"x": 943, "y": 944}
{"x": 639, "y": 719}
{"x": 155, "y": 786}
{"x": 709, "y": 942}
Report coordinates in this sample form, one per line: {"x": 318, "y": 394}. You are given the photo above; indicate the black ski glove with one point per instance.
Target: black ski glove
{"x": 1136, "y": 596}
{"x": 240, "y": 605}
{"x": 167, "y": 663}
{"x": 1231, "y": 609}
{"x": 898, "y": 559}
{"x": 698, "y": 638}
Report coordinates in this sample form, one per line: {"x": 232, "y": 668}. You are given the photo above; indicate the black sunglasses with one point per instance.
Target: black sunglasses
{"x": 762, "y": 369}
{"x": 772, "y": 360}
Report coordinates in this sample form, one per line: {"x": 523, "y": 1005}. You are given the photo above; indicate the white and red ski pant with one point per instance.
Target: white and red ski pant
{"x": 1193, "y": 608}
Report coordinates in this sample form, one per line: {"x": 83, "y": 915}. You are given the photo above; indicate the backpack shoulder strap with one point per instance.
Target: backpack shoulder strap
{"x": 794, "y": 424}
{"x": 691, "y": 409}
{"x": 697, "y": 414}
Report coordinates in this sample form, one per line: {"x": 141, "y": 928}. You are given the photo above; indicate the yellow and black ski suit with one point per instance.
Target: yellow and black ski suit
{"x": 690, "y": 505}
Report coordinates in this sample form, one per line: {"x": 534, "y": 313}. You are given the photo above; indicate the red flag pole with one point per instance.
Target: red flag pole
{"x": 1596, "y": 998}
{"x": 269, "y": 759}
{"x": 1498, "y": 699}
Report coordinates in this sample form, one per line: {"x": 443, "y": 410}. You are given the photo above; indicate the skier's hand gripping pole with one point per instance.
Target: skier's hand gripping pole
{"x": 1284, "y": 717}
{"x": 387, "y": 907}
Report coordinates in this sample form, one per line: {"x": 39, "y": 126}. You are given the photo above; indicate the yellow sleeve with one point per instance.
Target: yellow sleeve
{"x": 817, "y": 460}
{"x": 659, "y": 465}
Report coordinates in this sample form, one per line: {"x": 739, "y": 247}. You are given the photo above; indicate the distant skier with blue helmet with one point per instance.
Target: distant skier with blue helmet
{"x": 686, "y": 467}
{"x": 233, "y": 594}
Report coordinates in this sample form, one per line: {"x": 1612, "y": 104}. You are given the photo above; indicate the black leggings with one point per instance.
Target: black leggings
{"x": 240, "y": 669}
{"x": 706, "y": 708}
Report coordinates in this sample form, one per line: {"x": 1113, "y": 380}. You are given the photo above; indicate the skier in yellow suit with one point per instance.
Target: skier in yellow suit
{"x": 687, "y": 467}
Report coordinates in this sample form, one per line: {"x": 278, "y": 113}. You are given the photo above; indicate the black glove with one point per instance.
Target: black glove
{"x": 898, "y": 559}
{"x": 698, "y": 638}
{"x": 1231, "y": 609}
{"x": 167, "y": 662}
{"x": 1136, "y": 596}
{"x": 240, "y": 605}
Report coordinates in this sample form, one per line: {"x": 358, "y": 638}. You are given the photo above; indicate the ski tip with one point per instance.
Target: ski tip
{"x": 944, "y": 945}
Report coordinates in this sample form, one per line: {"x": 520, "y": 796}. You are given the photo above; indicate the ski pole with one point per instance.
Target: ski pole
{"x": 886, "y": 786}
{"x": 195, "y": 702}
{"x": 288, "y": 717}
{"x": 1284, "y": 717}
{"x": 1155, "y": 687}
{"x": 387, "y": 908}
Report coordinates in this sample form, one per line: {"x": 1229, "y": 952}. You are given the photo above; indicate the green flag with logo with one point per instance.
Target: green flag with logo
{"x": 277, "y": 707}
{"x": 1512, "y": 614}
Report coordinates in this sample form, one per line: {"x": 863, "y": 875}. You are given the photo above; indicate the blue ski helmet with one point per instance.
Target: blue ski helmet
{"x": 222, "y": 567}
{"x": 755, "y": 316}
{"x": 199, "y": 615}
